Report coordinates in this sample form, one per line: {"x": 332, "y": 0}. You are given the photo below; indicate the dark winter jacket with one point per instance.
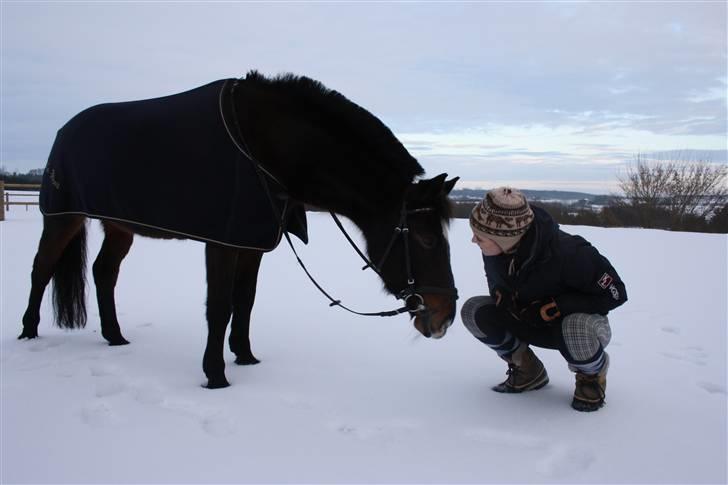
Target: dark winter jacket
{"x": 550, "y": 263}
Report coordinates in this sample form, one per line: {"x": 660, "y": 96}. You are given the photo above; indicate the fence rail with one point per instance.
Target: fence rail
{"x": 5, "y": 196}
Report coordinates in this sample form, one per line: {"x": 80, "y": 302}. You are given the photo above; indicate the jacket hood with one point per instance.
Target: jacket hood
{"x": 537, "y": 244}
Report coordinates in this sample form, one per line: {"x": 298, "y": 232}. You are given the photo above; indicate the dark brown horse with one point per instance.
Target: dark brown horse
{"x": 285, "y": 141}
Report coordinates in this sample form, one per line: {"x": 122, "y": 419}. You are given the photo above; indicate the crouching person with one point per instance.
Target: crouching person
{"x": 548, "y": 289}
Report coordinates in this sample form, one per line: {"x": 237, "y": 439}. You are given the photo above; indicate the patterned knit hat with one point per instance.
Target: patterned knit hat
{"x": 503, "y": 216}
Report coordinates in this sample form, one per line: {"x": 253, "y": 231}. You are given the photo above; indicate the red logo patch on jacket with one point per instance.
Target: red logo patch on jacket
{"x": 605, "y": 281}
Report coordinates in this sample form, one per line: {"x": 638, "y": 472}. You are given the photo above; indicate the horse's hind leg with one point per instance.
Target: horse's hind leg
{"x": 115, "y": 247}
{"x": 58, "y": 232}
{"x": 246, "y": 278}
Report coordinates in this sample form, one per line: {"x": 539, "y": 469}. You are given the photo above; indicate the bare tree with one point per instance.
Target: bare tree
{"x": 677, "y": 189}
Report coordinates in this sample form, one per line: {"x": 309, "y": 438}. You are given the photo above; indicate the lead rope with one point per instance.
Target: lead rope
{"x": 338, "y": 303}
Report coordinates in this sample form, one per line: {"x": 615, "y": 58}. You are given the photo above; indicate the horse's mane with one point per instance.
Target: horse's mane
{"x": 343, "y": 117}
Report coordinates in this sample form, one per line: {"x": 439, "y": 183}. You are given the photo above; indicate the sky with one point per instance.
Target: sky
{"x": 552, "y": 95}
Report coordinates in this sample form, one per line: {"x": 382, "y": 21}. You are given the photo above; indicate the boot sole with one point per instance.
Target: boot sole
{"x": 586, "y": 407}
{"x": 505, "y": 389}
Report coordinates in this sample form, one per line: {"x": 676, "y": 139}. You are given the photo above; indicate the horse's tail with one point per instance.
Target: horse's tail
{"x": 69, "y": 283}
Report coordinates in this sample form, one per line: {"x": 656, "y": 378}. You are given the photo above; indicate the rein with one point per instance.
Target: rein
{"x": 413, "y": 300}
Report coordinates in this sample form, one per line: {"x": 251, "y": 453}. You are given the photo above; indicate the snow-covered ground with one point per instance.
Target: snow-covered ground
{"x": 342, "y": 398}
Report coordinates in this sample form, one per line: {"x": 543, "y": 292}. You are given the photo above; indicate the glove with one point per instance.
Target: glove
{"x": 540, "y": 312}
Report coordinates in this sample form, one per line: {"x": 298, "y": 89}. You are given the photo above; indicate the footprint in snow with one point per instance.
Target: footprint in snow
{"x": 712, "y": 388}
{"x": 102, "y": 370}
{"x": 693, "y": 359}
{"x": 387, "y": 431}
{"x": 696, "y": 351}
{"x": 673, "y": 330}
{"x": 98, "y": 415}
{"x": 40, "y": 344}
{"x": 219, "y": 425}
{"x": 110, "y": 386}
{"x": 358, "y": 431}
{"x": 145, "y": 324}
{"x": 148, "y": 394}
{"x": 213, "y": 421}
{"x": 562, "y": 461}
{"x": 557, "y": 460}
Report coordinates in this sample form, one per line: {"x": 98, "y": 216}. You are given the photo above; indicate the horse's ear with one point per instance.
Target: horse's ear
{"x": 430, "y": 188}
{"x": 437, "y": 181}
{"x": 447, "y": 186}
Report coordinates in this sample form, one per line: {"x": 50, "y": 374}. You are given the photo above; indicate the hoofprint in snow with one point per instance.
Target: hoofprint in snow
{"x": 342, "y": 398}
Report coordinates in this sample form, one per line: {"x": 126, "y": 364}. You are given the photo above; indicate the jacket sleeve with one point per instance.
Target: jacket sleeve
{"x": 594, "y": 285}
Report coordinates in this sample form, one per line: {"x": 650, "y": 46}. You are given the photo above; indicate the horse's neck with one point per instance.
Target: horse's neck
{"x": 306, "y": 162}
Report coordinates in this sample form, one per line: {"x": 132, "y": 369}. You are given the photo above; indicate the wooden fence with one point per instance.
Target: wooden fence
{"x": 5, "y": 196}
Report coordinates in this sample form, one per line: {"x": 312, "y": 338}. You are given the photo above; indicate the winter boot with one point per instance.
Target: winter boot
{"x": 591, "y": 389}
{"x": 525, "y": 372}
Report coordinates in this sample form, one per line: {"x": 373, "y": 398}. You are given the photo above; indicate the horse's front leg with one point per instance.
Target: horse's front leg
{"x": 246, "y": 279}
{"x": 221, "y": 265}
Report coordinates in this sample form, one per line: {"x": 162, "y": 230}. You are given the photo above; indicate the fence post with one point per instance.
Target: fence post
{"x": 2, "y": 200}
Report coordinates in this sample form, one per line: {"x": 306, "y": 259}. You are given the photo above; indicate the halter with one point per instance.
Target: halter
{"x": 410, "y": 295}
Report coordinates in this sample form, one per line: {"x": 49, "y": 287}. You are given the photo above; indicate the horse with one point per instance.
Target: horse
{"x": 265, "y": 147}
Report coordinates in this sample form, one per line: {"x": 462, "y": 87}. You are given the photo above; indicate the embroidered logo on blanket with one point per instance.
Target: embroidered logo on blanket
{"x": 52, "y": 175}
{"x": 605, "y": 281}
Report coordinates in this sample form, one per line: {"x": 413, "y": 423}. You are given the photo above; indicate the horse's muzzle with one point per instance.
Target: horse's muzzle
{"x": 437, "y": 316}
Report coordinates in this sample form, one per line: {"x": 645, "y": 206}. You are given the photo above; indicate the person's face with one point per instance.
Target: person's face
{"x": 488, "y": 246}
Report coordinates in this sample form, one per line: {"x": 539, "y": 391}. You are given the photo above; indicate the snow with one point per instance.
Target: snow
{"x": 342, "y": 398}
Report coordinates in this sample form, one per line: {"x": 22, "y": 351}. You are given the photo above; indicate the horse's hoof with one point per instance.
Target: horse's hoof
{"x": 246, "y": 360}
{"x": 216, "y": 383}
{"x": 116, "y": 340}
{"x": 113, "y": 342}
{"x": 29, "y": 334}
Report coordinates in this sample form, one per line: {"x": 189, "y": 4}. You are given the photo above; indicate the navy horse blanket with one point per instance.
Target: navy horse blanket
{"x": 170, "y": 163}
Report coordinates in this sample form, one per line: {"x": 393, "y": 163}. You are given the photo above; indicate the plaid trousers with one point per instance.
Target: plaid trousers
{"x": 580, "y": 337}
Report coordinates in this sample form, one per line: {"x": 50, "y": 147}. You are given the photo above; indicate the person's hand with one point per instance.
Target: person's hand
{"x": 541, "y": 312}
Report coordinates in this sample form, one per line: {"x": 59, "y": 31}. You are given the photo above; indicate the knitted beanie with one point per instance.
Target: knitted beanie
{"x": 503, "y": 216}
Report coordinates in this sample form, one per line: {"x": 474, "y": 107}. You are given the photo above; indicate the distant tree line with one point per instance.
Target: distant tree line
{"x": 34, "y": 176}
{"x": 618, "y": 214}
{"x": 677, "y": 195}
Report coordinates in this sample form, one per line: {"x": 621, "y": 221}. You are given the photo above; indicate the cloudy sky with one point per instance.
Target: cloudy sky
{"x": 534, "y": 94}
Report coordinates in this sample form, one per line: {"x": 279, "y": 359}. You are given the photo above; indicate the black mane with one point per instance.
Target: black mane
{"x": 344, "y": 118}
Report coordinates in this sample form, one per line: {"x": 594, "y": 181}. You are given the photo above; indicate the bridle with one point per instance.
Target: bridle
{"x": 411, "y": 295}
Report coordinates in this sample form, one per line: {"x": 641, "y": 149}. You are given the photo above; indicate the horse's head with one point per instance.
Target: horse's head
{"x": 410, "y": 248}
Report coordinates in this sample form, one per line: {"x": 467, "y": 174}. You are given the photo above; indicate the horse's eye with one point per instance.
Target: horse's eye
{"x": 428, "y": 241}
